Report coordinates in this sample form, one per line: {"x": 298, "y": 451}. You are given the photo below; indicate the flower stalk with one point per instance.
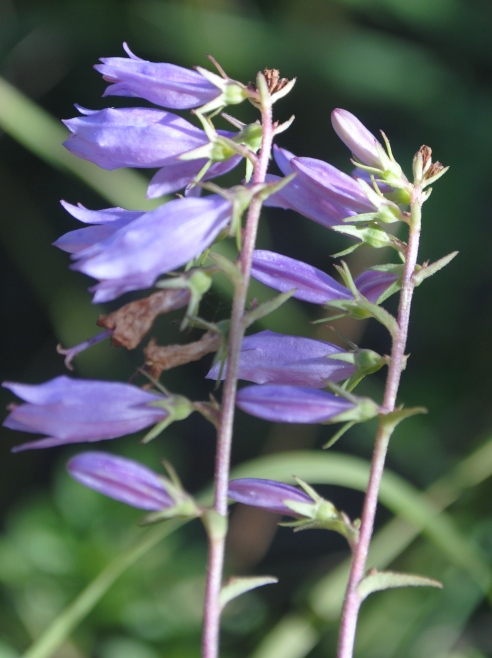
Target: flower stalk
{"x": 353, "y": 598}
{"x": 211, "y": 627}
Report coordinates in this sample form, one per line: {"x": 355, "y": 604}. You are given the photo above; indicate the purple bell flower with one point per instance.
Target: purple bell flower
{"x": 291, "y": 404}
{"x": 74, "y": 411}
{"x": 312, "y": 285}
{"x": 267, "y": 494}
{"x": 131, "y": 137}
{"x": 121, "y": 479}
{"x": 297, "y": 195}
{"x": 131, "y": 255}
{"x": 272, "y": 358}
{"x": 167, "y": 85}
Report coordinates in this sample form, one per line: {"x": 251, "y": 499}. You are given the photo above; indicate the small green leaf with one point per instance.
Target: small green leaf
{"x": 428, "y": 270}
{"x": 237, "y": 586}
{"x": 376, "y": 581}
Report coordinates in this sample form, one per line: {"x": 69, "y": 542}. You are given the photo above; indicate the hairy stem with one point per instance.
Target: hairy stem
{"x": 211, "y": 628}
{"x": 352, "y": 598}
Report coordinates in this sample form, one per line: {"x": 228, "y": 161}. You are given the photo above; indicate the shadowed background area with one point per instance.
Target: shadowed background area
{"x": 419, "y": 70}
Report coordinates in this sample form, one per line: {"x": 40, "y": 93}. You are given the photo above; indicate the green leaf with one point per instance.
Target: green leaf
{"x": 376, "y": 581}
{"x": 237, "y": 586}
{"x": 428, "y": 270}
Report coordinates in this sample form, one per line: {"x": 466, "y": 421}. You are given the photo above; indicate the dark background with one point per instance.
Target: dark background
{"x": 420, "y": 71}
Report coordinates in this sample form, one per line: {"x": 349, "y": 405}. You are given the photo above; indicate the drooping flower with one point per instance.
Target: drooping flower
{"x": 267, "y": 494}
{"x": 73, "y": 411}
{"x": 272, "y": 358}
{"x": 291, "y": 404}
{"x": 312, "y": 285}
{"x": 122, "y": 479}
{"x": 302, "y": 198}
{"x": 167, "y": 85}
{"x": 135, "y": 253}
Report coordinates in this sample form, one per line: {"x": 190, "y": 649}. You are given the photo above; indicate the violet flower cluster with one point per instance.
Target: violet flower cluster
{"x": 292, "y": 379}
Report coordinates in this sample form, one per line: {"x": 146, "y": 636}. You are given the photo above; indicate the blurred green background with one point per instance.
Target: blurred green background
{"x": 420, "y": 70}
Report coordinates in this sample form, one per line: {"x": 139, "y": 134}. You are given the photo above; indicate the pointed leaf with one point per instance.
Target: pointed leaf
{"x": 377, "y": 581}
{"x": 237, "y": 586}
{"x": 266, "y": 308}
{"x": 428, "y": 270}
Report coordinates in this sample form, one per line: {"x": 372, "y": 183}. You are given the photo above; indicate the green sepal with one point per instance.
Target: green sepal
{"x": 227, "y": 267}
{"x": 371, "y": 234}
{"x": 321, "y": 514}
{"x": 338, "y": 435}
{"x": 425, "y": 271}
{"x": 184, "y": 506}
{"x": 362, "y": 309}
{"x": 367, "y": 362}
{"x": 266, "y": 308}
{"x": 237, "y": 586}
{"x": 178, "y": 408}
{"x": 215, "y": 525}
{"x": 376, "y": 581}
{"x": 198, "y": 281}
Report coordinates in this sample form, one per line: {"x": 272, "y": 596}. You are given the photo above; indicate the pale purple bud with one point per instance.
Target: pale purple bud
{"x": 361, "y": 142}
{"x": 291, "y": 404}
{"x": 283, "y": 274}
{"x": 122, "y": 479}
{"x": 272, "y": 358}
{"x": 155, "y": 243}
{"x": 267, "y": 494}
{"x": 73, "y": 411}
{"x": 166, "y": 85}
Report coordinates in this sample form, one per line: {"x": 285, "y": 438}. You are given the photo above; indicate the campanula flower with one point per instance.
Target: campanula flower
{"x": 167, "y": 85}
{"x": 302, "y": 198}
{"x": 312, "y": 285}
{"x": 72, "y": 411}
{"x": 361, "y": 142}
{"x": 133, "y": 255}
{"x": 122, "y": 479}
{"x": 267, "y": 494}
{"x": 272, "y": 358}
{"x": 292, "y": 404}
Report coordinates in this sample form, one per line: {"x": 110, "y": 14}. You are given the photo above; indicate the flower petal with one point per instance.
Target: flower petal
{"x": 266, "y": 494}
{"x": 122, "y": 479}
{"x": 291, "y": 404}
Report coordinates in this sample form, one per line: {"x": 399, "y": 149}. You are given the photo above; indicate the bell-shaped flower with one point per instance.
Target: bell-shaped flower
{"x": 145, "y": 137}
{"x": 332, "y": 184}
{"x": 272, "y": 358}
{"x": 136, "y": 253}
{"x": 131, "y": 137}
{"x": 268, "y": 495}
{"x": 72, "y": 411}
{"x": 122, "y": 479}
{"x": 302, "y": 198}
{"x": 167, "y": 85}
{"x": 293, "y": 404}
{"x": 311, "y": 284}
